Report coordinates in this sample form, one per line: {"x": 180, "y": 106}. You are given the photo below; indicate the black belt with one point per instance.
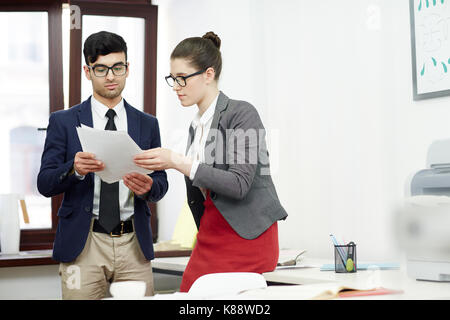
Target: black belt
{"x": 122, "y": 227}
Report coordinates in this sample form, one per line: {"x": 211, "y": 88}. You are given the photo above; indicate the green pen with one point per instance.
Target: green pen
{"x": 350, "y": 265}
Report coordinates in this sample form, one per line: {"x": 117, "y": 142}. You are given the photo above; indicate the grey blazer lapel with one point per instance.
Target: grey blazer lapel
{"x": 211, "y": 141}
{"x": 190, "y": 138}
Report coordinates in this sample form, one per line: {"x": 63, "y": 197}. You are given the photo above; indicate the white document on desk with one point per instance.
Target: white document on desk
{"x": 297, "y": 266}
{"x": 115, "y": 149}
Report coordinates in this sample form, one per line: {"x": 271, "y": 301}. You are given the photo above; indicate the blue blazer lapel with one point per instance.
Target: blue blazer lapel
{"x": 133, "y": 123}
{"x": 85, "y": 117}
{"x": 85, "y": 113}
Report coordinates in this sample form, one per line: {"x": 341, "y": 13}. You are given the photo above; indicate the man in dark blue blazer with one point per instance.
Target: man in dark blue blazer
{"x": 103, "y": 232}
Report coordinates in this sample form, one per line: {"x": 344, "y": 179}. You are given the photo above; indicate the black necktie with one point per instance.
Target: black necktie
{"x": 109, "y": 211}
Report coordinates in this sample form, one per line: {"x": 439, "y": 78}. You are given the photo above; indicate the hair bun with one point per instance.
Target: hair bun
{"x": 213, "y": 37}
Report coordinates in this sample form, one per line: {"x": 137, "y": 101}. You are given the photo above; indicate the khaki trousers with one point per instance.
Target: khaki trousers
{"x": 105, "y": 259}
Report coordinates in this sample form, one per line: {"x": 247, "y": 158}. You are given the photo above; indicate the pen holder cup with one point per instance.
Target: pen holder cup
{"x": 345, "y": 258}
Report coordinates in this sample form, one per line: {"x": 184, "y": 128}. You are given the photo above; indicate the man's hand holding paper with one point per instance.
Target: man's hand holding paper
{"x": 86, "y": 162}
{"x": 138, "y": 183}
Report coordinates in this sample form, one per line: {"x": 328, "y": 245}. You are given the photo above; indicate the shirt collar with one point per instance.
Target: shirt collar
{"x": 100, "y": 109}
{"x": 206, "y": 116}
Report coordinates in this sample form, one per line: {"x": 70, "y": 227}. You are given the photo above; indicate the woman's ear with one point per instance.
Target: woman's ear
{"x": 210, "y": 74}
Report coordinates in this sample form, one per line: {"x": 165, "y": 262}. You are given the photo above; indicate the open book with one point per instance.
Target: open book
{"x": 348, "y": 292}
{"x": 317, "y": 291}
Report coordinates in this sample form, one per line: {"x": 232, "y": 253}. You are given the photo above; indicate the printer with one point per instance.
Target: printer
{"x": 423, "y": 222}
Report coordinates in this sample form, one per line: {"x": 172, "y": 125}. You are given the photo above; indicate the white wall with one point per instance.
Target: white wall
{"x": 332, "y": 81}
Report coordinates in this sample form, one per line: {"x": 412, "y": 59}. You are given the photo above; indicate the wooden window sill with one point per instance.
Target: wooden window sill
{"x": 27, "y": 258}
{"x": 44, "y": 257}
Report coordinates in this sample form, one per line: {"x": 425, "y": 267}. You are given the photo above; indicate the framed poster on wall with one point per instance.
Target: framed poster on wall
{"x": 430, "y": 48}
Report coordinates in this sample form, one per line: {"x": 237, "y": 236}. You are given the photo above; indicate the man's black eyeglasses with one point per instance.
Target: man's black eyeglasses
{"x": 181, "y": 80}
{"x": 100, "y": 70}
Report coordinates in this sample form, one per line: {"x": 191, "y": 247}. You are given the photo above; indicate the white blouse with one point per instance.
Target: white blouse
{"x": 201, "y": 125}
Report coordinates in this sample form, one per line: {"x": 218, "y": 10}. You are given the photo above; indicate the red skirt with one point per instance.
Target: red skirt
{"x": 220, "y": 249}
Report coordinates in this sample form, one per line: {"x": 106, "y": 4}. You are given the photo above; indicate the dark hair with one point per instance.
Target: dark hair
{"x": 103, "y": 43}
{"x": 201, "y": 52}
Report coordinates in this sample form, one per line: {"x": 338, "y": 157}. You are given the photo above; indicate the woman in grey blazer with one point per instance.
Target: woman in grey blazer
{"x": 229, "y": 188}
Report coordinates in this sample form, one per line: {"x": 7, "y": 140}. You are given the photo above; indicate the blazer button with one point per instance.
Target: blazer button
{"x": 87, "y": 209}
{"x": 191, "y": 202}
{"x": 213, "y": 195}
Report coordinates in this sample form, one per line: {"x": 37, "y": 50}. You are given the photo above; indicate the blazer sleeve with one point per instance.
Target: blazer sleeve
{"x": 160, "y": 183}
{"x": 235, "y": 182}
{"x": 54, "y": 177}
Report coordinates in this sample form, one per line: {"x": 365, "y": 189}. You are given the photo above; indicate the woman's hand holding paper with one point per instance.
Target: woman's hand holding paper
{"x": 163, "y": 159}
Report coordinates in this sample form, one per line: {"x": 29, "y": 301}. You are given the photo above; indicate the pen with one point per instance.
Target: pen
{"x": 338, "y": 246}
{"x": 350, "y": 257}
{"x": 339, "y": 249}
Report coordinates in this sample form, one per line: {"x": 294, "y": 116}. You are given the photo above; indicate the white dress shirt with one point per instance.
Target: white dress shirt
{"x": 201, "y": 125}
{"x": 126, "y": 197}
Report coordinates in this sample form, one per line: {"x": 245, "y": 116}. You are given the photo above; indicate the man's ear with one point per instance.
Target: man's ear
{"x": 87, "y": 72}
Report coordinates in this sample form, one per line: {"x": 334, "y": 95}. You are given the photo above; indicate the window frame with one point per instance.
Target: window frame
{"x": 37, "y": 239}
{"x": 42, "y": 239}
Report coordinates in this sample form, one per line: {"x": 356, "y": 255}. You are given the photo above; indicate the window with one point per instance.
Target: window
{"x": 24, "y": 107}
{"x": 41, "y": 40}
{"x": 32, "y": 32}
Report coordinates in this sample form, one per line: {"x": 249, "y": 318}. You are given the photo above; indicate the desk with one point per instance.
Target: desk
{"x": 170, "y": 265}
{"x": 299, "y": 282}
{"x": 177, "y": 264}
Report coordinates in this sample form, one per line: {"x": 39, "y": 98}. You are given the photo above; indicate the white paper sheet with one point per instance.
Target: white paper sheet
{"x": 116, "y": 149}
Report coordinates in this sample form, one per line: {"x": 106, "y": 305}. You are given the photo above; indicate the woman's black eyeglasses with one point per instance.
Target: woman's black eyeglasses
{"x": 181, "y": 80}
